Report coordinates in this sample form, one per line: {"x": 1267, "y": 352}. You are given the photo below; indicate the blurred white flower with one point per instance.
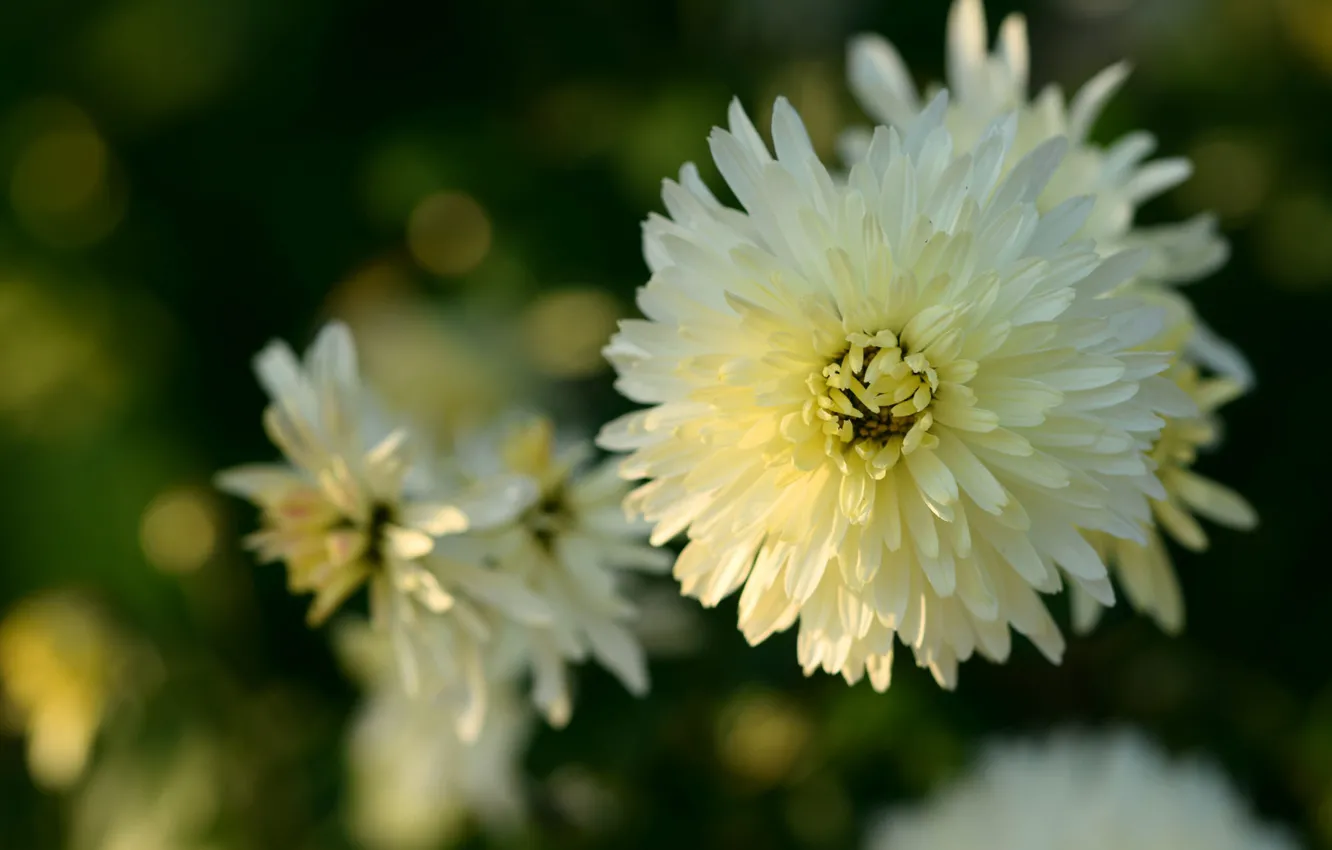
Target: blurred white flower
{"x": 1145, "y": 570}
{"x": 886, "y": 406}
{"x": 353, "y": 507}
{"x": 988, "y": 86}
{"x": 569, "y": 547}
{"x": 414, "y": 783}
{"x": 138, "y": 801}
{"x": 1101, "y": 792}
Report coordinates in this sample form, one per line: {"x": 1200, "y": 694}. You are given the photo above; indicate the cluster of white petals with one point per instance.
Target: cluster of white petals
{"x": 1092, "y": 792}
{"x": 988, "y": 85}
{"x": 414, "y": 783}
{"x": 890, "y": 405}
{"x": 361, "y": 501}
{"x": 570, "y": 546}
{"x": 1144, "y": 571}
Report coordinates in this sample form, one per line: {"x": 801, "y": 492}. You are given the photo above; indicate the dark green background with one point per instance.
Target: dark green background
{"x": 266, "y": 149}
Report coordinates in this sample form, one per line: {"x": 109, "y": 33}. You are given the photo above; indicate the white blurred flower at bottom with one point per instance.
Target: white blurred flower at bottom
{"x": 133, "y": 802}
{"x": 413, "y": 783}
{"x": 1092, "y": 792}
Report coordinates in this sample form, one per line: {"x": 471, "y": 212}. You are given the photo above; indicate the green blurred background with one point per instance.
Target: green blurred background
{"x": 464, "y": 182}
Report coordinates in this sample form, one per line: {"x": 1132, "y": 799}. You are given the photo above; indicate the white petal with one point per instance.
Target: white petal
{"x": 434, "y": 519}
{"x": 1092, "y": 98}
{"x": 966, "y": 47}
{"x": 1214, "y": 501}
{"x": 408, "y": 543}
{"x": 506, "y": 592}
{"x": 497, "y": 500}
{"x": 258, "y": 481}
{"x": 880, "y": 80}
{"x": 618, "y": 651}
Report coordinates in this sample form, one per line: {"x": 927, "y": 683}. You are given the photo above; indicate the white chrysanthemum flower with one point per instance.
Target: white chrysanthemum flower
{"x": 1102, "y": 792}
{"x": 886, "y": 406}
{"x": 570, "y": 547}
{"x": 414, "y": 783}
{"x": 1145, "y": 571}
{"x": 987, "y": 86}
{"x": 353, "y": 509}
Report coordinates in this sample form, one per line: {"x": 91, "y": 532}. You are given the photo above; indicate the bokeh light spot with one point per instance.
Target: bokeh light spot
{"x": 584, "y": 799}
{"x": 1293, "y": 235}
{"x": 445, "y": 371}
{"x": 761, "y": 737}
{"x": 448, "y": 233}
{"x": 158, "y": 57}
{"x": 566, "y": 330}
{"x": 377, "y": 284}
{"x": 178, "y": 531}
{"x": 819, "y": 812}
{"x": 1231, "y": 176}
{"x": 661, "y": 136}
{"x": 57, "y": 371}
{"x": 58, "y": 661}
{"x": 62, "y": 187}
{"x": 397, "y": 173}
{"x": 1309, "y": 23}
{"x": 59, "y": 172}
{"x": 579, "y": 120}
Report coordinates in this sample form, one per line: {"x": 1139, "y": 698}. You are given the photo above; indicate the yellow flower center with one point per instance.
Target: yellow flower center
{"x": 875, "y": 397}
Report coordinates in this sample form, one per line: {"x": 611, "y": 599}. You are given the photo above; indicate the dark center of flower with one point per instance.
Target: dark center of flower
{"x": 873, "y": 426}
{"x": 381, "y": 515}
{"x": 374, "y": 529}
{"x": 548, "y": 517}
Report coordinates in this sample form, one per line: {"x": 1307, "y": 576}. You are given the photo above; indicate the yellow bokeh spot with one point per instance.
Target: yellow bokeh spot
{"x": 59, "y": 173}
{"x": 761, "y": 738}
{"x": 819, "y": 812}
{"x": 1309, "y": 24}
{"x": 62, "y": 186}
{"x": 579, "y": 120}
{"x": 1293, "y": 239}
{"x": 448, "y": 233}
{"x": 397, "y": 173}
{"x": 661, "y": 135}
{"x": 1231, "y": 176}
{"x": 1323, "y": 815}
{"x": 584, "y": 799}
{"x": 178, "y": 531}
{"x": 378, "y": 284}
{"x": 58, "y": 665}
{"x": 566, "y": 330}
{"x": 445, "y": 371}
{"x": 57, "y": 370}
{"x": 153, "y": 58}
{"x": 163, "y": 798}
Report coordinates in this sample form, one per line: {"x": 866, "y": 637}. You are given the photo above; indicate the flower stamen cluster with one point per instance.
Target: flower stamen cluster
{"x": 875, "y": 398}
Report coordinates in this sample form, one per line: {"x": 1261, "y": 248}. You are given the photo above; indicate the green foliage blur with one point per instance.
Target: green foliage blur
{"x": 187, "y": 179}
